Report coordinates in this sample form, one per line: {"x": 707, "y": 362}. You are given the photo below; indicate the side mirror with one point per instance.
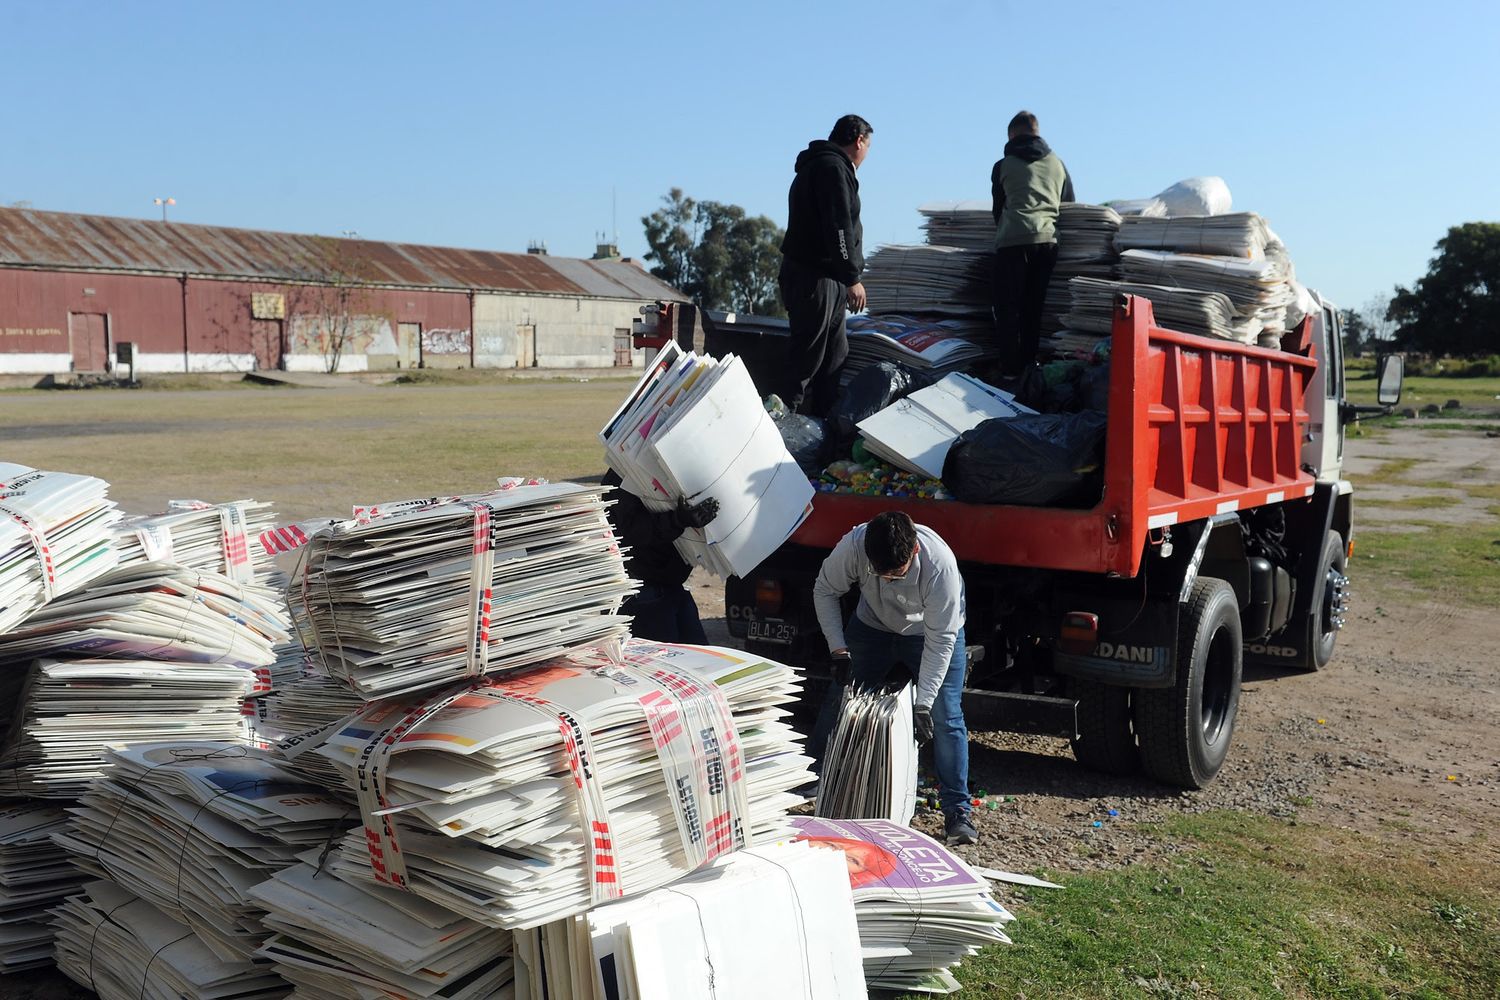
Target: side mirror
{"x": 1388, "y": 374}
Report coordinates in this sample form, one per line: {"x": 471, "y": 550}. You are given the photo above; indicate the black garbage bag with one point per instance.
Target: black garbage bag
{"x": 1093, "y": 387}
{"x": 807, "y": 439}
{"x": 1046, "y": 460}
{"x": 871, "y": 391}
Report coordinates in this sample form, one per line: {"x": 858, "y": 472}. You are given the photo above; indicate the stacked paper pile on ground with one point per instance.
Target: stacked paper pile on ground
{"x": 219, "y": 537}
{"x": 916, "y": 432}
{"x": 192, "y": 826}
{"x": 123, "y": 948}
{"x": 921, "y": 909}
{"x": 1085, "y": 249}
{"x": 915, "y": 278}
{"x": 926, "y": 345}
{"x": 774, "y": 921}
{"x": 870, "y": 766}
{"x": 526, "y": 798}
{"x": 425, "y": 592}
{"x": 56, "y": 534}
{"x": 35, "y": 875}
{"x": 1209, "y": 314}
{"x": 1241, "y": 234}
{"x": 357, "y": 941}
{"x": 966, "y": 224}
{"x": 695, "y": 427}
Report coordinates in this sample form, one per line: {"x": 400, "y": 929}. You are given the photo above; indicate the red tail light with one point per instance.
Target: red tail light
{"x": 1079, "y": 633}
{"x": 769, "y": 597}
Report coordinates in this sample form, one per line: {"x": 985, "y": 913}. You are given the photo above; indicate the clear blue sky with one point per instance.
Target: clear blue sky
{"x": 1361, "y": 130}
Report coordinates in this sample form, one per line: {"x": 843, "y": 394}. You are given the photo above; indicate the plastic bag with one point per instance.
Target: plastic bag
{"x": 1197, "y": 196}
{"x": 807, "y": 439}
{"x": 1050, "y": 459}
{"x": 871, "y": 391}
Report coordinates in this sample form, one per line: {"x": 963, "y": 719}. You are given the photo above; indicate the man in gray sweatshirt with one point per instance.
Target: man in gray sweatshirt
{"x": 911, "y": 610}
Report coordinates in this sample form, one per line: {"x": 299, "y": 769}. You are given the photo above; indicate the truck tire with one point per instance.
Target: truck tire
{"x": 1105, "y": 741}
{"x": 1185, "y": 729}
{"x": 1328, "y": 616}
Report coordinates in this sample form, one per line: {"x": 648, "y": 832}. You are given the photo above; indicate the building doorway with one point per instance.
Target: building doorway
{"x": 88, "y": 333}
{"x": 408, "y": 345}
{"x": 526, "y": 346}
{"x": 622, "y": 348}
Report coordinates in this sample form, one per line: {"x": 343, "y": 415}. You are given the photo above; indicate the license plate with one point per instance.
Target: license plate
{"x": 773, "y": 631}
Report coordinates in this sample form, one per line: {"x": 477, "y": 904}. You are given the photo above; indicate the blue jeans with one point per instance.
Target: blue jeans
{"x": 873, "y": 652}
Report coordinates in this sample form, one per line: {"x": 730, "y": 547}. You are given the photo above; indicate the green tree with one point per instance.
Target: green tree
{"x": 1356, "y": 334}
{"x": 716, "y": 254}
{"x": 1455, "y": 307}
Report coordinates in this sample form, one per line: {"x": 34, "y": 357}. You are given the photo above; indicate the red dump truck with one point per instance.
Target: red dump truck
{"x": 1221, "y": 537}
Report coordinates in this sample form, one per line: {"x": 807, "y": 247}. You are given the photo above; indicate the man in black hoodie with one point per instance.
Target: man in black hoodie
{"x": 1029, "y": 184}
{"x": 821, "y": 261}
{"x": 663, "y": 609}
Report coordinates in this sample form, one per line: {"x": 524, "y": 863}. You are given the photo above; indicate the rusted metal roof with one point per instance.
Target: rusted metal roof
{"x": 30, "y": 238}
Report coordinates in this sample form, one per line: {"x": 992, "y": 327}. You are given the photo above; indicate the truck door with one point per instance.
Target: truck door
{"x": 1323, "y": 451}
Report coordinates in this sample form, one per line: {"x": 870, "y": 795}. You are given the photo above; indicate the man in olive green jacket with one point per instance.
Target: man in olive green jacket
{"x": 1030, "y": 184}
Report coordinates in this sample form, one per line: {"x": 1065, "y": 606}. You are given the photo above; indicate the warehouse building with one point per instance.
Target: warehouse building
{"x": 79, "y": 291}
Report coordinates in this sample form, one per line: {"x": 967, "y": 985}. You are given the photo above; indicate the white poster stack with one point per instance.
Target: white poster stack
{"x": 1240, "y": 234}
{"x": 219, "y": 537}
{"x": 1259, "y": 287}
{"x": 1208, "y": 314}
{"x": 966, "y": 224}
{"x": 35, "y": 875}
{"x": 56, "y": 534}
{"x": 930, "y": 346}
{"x": 418, "y": 593}
{"x": 916, "y": 432}
{"x": 695, "y": 427}
{"x": 918, "y": 278}
{"x": 1085, "y": 249}
{"x": 522, "y": 799}
{"x": 870, "y": 766}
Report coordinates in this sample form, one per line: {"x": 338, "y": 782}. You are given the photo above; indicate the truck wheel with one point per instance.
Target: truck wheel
{"x": 1185, "y": 729}
{"x": 1328, "y": 617}
{"x": 1106, "y": 732}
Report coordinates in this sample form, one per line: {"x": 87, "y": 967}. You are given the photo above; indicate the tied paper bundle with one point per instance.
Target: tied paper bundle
{"x": 35, "y": 875}
{"x": 123, "y": 948}
{"x": 694, "y": 427}
{"x": 913, "y": 278}
{"x": 1085, "y": 249}
{"x": 1259, "y": 287}
{"x": 218, "y": 537}
{"x": 356, "y": 941}
{"x": 773, "y": 921}
{"x": 1208, "y": 314}
{"x": 420, "y": 593}
{"x": 1241, "y": 234}
{"x": 56, "y": 534}
{"x": 921, "y": 909}
{"x": 966, "y": 224}
{"x": 870, "y": 768}
{"x": 526, "y": 798}
{"x": 191, "y": 826}
{"x": 924, "y": 345}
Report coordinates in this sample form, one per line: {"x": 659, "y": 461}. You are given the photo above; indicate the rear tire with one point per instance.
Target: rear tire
{"x": 1327, "y": 617}
{"x": 1185, "y": 730}
{"x": 1105, "y": 741}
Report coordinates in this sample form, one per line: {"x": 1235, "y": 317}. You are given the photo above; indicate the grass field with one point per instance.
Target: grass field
{"x": 1481, "y": 394}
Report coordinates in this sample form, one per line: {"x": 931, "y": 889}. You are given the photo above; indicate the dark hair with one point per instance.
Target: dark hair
{"x": 849, "y": 129}
{"x": 889, "y": 540}
{"x": 1024, "y": 122}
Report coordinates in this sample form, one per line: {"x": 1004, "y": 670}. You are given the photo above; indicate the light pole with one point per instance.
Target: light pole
{"x": 164, "y": 202}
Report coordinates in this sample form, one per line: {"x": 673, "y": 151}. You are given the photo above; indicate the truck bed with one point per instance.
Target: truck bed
{"x": 1197, "y": 426}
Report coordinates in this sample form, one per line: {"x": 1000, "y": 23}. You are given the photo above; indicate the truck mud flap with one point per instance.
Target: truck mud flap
{"x": 1282, "y": 651}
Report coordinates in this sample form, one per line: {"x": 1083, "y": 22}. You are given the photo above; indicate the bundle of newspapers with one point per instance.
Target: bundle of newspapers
{"x": 35, "y": 875}
{"x": 1209, "y": 314}
{"x": 1085, "y": 249}
{"x": 933, "y": 346}
{"x": 191, "y": 826}
{"x": 694, "y": 427}
{"x": 356, "y": 941}
{"x": 966, "y": 224}
{"x": 418, "y": 593}
{"x": 921, "y": 909}
{"x": 773, "y": 921}
{"x": 56, "y": 534}
{"x": 1239, "y": 234}
{"x": 521, "y": 799}
{"x": 219, "y": 537}
{"x": 870, "y": 765}
{"x": 919, "y": 278}
{"x": 1259, "y": 287}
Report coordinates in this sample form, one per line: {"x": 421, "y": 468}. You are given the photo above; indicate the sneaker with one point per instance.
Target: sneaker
{"x": 960, "y": 831}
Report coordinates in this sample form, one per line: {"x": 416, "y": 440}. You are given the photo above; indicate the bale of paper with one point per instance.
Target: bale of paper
{"x": 357, "y": 941}
{"x": 35, "y": 876}
{"x": 932, "y": 346}
{"x": 917, "y": 278}
{"x": 1240, "y": 234}
{"x": 1208, "y": 314}
{"x": 920, "y": 908}
{"x": 1259, "y": 287}
{"x": 56, "y": 534}
{"x": 123, "y": 948}
{"x": 870, "y": 765}
{"x": 773, "y": 921}
{"x": 219, "y": 537}
{"x": 521, "y": 799}
{"x": 916, "y": 432}
{"x": 695, "y": 427}
{"x": 1085, "y": 249}
{"x": 966, "y": 224}
{"x": 419, "y": 593}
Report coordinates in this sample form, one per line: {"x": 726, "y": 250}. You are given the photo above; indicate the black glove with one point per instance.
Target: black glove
{"x": 696, "y": 515}
{"x": 921, "y": 719}
{"x": 839, "y": 666}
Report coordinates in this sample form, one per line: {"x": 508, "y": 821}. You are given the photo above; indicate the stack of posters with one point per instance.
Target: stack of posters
{"x": 870, "y": 766}
{"x": 192, "y": 826}
{"x": 774, "y": 921}
{"x": 921, "y": 909}
{"x": 1259, "y": 287}
{"x": 418, "y": 593}
{"x": 1240, "y": 234}
{"x": 966, "y": 224}
{"x": 35, "y": 875}
{"x": 1208, "y": 314}
{"x": 219, "y": 537}
{"x": 916, "y": 432}
{"x": 356, "y": 941}
{"x": 56, "y": 534}
{"x": 522, "y": 799}
{"x": 695, "y": 427}
{"x": 1085, "y": 249}
{"x": 916, "y": 278}
{"x": 931, "y": 346}
{"x": 123, "y": 948}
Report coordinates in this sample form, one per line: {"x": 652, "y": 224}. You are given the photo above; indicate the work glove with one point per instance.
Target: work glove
{"x": 839, "y": 666}
{"x": 921, "y": 719}
{"x": 696, "y": 515}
